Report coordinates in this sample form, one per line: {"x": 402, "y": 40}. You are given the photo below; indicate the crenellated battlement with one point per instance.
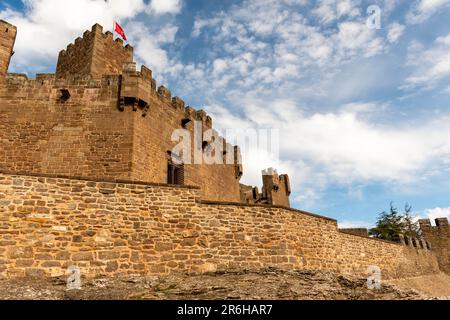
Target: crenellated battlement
{"x": 139, "y": 88}
{"x": 441, "y": 224}
{"x": 192, "y": 115}
{"x": 89, "y": 36}
{"x": 178, "y": 103}
{"x": 22, "y": 83}
{"x": 414, "y": 243}
{"x": 439, "y": 239}
{"x": 276, "y": 189}
{"x": 94, "y": 54}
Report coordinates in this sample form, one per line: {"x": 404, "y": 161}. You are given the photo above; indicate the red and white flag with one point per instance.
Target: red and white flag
{"x": 119, "y": 30}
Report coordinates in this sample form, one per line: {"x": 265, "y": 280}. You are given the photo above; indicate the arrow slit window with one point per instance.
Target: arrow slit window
{"x": 175, "y": 173}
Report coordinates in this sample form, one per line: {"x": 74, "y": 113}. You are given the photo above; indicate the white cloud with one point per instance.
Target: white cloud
{"x": 431, "y": 66}
{"x": 437, "y": 213}
{"x": 149, "y": 52}
{"x": 422, "y": 10}
{"x": 396, "y": 30}
{"x": 355, "y": 38}
{"x": 444, "y": 40}
{"x": 328, "y": 11}
{"x": 285, "y": 46}
{"x": 348, "y": 8}
{"x": 164, "y": 6}
{"x": 390, "y": 5}
{"x": 358, "y": 108}
{"x": 321, "y": 149}
{"x": 325, "y": 11}
{"x": 47, "y": 26}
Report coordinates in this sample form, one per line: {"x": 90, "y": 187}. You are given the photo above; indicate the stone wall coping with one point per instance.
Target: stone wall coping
{"x": 370, "y": 238}
{"x": 238, "y": 204}
{"x": 8, "y": 24}
{"x": 99, "y": 180}
{"x": 203, "y": 202}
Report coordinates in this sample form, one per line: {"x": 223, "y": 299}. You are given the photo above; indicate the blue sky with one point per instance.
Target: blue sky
{"x": 363, "y": 113}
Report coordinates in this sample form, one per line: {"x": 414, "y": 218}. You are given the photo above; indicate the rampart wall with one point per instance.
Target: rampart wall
{"x": 439, "y": 238}
{"x": 50, "y": 223}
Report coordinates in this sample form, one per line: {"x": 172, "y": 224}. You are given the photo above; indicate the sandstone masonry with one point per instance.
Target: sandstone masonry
{"x": 49, "y": 223}
{"x": 439, "y": 238}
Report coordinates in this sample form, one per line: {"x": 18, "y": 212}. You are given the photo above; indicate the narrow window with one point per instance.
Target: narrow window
{"x": 65, "y": 94}
{"x": 175, "y": 173}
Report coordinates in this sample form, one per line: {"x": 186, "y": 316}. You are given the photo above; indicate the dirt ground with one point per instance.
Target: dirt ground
{"x": 434, "y": 285}
{"x": 269, "y": 284}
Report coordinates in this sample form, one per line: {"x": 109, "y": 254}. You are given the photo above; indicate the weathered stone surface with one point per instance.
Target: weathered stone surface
{"x": 438, "y": 239}
{"x": 155, "y": 234}
{"x": 108, "y": 255}
{"x": 83, "y": 256}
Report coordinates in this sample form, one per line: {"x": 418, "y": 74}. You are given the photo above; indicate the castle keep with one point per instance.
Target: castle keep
{"x": 98, "y": 117}
{"x": 87, "y": 178}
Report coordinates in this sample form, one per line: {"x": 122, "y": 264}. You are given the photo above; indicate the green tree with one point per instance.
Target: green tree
{"x": 410, "y": 226}
{"x": 392, "y": 224}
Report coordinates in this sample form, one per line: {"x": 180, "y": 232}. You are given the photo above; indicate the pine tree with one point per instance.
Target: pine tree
{"x": 411, "y": 228}
{"x": 392, "y": 224}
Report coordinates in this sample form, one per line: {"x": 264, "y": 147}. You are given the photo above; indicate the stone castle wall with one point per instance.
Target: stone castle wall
{"x": 88, "y": 135}
{"x": 48, "y": 224}
{"x": 7, "y": 39}
{"x": 83, "y": 136}
{"x": 439, "y": 238}
{"x": 153, "y": 137}
{"x": 98, "y": 117}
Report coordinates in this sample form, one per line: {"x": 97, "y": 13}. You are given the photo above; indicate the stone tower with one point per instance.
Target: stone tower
{"x": 7, "y": 38}
{"x": 95, "y": 54}
{"x": 276, "y": 188}
{"x": 439, "y": 237}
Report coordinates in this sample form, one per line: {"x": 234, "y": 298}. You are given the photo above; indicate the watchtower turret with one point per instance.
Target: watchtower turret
{"x": 8, "y": 34}
{"x": 95, "y": 54}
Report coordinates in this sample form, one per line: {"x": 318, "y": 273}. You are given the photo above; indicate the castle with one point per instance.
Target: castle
{"x": 98, "y": 117}
{"x": 88, "y": 178}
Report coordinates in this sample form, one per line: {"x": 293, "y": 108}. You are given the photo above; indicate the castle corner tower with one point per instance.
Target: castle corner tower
{"x": 95, "y": 54}
{"x": 8, "y": 34}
